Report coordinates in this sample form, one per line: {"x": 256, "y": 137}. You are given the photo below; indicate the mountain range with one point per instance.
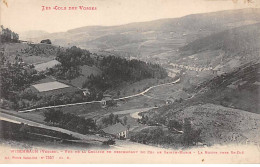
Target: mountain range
{"x": 154, "y": 40}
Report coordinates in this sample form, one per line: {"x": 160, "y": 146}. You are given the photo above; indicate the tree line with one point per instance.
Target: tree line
{"x": 113, "y": 119}
{"x": 116, "y": 70}
{"x": 71, "y": 59}
{"x": 177, "y": 134}
{"x": 15, "y": 77}
{"x": 70, "y": 121}
{"x": 7, "y": 35}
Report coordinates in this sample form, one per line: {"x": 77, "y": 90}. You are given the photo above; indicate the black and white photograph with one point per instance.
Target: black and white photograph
{"x": 129, "y": 81}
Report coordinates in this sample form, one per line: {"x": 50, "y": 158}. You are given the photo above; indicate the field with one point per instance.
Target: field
{"x": 168, "y": 92}
{"x": 97, "y": 111}
{"x": 30, "y": 53}
{"x": 127, "y": 89}
{"x": 86, "y": 110}
{"x": 44, "y": 66}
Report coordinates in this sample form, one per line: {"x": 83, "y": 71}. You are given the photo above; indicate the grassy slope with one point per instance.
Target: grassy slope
{"x": 30, "y": 53}
{"x": 85, "y": 72}
{"x": 222, "y": 125}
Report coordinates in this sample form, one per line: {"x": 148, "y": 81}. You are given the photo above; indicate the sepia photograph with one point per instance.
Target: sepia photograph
{"x": 130, "y": 81}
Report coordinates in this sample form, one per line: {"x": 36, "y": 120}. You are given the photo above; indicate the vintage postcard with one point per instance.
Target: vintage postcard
{"x": 129, "y": 81}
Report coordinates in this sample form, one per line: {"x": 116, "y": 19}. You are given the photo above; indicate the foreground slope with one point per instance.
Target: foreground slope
{"x": 225, "y": 108}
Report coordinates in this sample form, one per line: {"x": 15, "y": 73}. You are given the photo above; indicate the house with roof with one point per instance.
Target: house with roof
{"x": 170, "y": 100}
{"x": 86, "y": 92}
{"x": 50, "y": 87}
{"x": 117, "y": 131}
{"x": 107, "y": 100}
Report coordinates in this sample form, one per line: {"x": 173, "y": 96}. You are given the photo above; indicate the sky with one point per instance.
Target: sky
{"x": 26, "y": 15}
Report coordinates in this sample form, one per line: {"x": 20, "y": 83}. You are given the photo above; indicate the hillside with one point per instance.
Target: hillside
{"x": 224, "y": 109}
{"x": 159, "y": 38}
{"x": 222, "y": 125}
{"x": 244, "y": 38}
{"x": 227, "y": 49}
{"x": 78, "y": 69}
{"x": 29, "y": 53}
{"x": 217, "y": 54}
{"x": 237, "y": 89}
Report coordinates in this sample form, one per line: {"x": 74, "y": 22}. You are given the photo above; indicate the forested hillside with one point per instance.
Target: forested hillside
{"x": 6, "y": 35}
{"x": 97, "y": 73}
{"x": 224, "y": 109}
{"x": 116, "y": 70}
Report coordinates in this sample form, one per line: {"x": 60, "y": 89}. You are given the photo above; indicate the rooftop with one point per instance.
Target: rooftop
{"x": 43, "y": 87}
{"x": 114, "y": 129}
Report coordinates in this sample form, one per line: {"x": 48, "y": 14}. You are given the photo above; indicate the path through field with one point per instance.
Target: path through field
{"x": 91, "y": 102}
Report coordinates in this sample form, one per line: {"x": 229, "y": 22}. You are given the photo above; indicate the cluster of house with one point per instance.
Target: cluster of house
{"x": 192, "y": 68}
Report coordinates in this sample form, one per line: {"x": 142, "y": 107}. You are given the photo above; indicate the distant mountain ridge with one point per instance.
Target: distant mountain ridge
{"x": 224, "y": 50}
{"x": 151, "y": 39}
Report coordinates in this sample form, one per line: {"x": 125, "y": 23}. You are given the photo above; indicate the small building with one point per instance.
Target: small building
{"x": 107, "y": 99}
{"x": 86, "y": 92}
{"x": 46, "y": 41}
{"x": 49, "y": 87}
{"x": 170, "y": 100}
{"x": 117, "y": 131}
{"x": 23, "y": 41}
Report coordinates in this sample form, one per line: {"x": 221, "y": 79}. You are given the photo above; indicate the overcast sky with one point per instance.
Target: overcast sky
{"x": 24, "y": 15}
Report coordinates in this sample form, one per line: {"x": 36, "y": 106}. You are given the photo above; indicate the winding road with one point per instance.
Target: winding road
{"x": 84, "y": 138}
{"x": 92, "y": 102}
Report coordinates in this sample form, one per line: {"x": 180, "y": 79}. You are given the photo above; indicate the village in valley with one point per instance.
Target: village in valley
{"x": 189, "y": 90}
